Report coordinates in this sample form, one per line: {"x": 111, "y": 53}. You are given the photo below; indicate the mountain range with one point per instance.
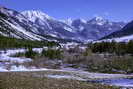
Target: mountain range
{"x": 96, "y": 28}
{"x": 36, "y": 25}
{"x": 123, "y": 35}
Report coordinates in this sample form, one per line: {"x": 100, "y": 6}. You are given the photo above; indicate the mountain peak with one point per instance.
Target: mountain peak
{"x": 81, "y": 20}
{"x": 67, "y": 21}
{"x": 98, "y": 20}
{"x": 35, "y": 14}
{"x": 34, "y": 25}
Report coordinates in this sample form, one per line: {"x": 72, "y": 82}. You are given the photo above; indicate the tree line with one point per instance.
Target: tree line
{"x": 112, "y": 47}
{"x": 6, "y": 42}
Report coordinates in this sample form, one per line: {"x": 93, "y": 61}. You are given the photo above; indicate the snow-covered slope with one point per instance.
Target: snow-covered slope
{"x": 124, "y": 38}
{"x": 34, "y": 15}
{"x": 78, "y": 29}
{"x": 51, "y": 26}
{"x": 98, "y": 20}
{"x": 118, "y": 39}
{"x": 68, "y": 21}
{"x": 36, "y": 25}
{"x": 14, "y": 24}
{"x": 96, "y": 28}
{"x": 126, "y": 31}
{"x": 123, "y": 35}
{"x": 38, "y": 18}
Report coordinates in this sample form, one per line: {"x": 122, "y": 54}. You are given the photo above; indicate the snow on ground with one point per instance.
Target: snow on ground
{"x": 70, "y": 73}
{"x": 79, "y": 75}
{"x": 120, "y": 39}
{"x": 5, "y": 59}
{"x": 69, "y": 45}
{"x": 7, "y": 62}
{"x": 3, "y": 69}
{"x": 14, "y": 59}
{"x": 66, "y": 77}
{"x": 39, "y": 50}
{"x": 124, "y": 39}
{"x": 5, "y": 56}
{"x": 118, "y": 82}
{"x": 122, "y": 82}
{"x": 21, "y": 68}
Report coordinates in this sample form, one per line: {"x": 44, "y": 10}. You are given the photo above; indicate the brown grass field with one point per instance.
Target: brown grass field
{"x": 25, "y": 80}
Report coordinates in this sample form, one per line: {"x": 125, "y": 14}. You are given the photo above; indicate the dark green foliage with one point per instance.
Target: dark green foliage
{"x": 95, "y": 62}
{"x": 6, "y": 42}
{"x": 130, "y": 47}
{"x": 124, "y": 64}
{"x": 31, "y": 54}
{"x": 28, "y": 54}
{"x": 87, "y": 52}
{"x": 52, "y": 53}
{"x": 75, "y": 50}
{"x": 112, "y": 47}
{"x": 60, "y": 39}
{"x": 112, "y": 65}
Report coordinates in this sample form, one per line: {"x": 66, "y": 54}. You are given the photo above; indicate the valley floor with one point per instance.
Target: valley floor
{"x": 20, "y": 77}
{"x": 26, "y": 80}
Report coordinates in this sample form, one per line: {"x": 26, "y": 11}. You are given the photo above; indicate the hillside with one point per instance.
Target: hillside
{"x": 126, "y": 31}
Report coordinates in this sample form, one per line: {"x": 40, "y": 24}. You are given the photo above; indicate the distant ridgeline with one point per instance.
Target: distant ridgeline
{"x": 126, "y": 31}
{"x": 6, "y": 42}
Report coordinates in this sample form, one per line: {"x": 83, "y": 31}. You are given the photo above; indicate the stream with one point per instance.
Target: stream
{"x": 122, "y": 82}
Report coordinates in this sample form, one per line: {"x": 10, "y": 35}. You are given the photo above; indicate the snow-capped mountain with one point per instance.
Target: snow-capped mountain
{"x": 51, "y": 26}
{"x": 123, "y": 35}
{"x": 98, "y": 21}
{"x": 36, "y": 25}
{"x": 78, "y": 29}
{"x": 68, "y": 21}
{"x": 34, "y": 15}
{"x": 38, "y": 18}
{"x": 95, "y": 28}
{"x": 14, "y": 24}
{"x": 79, "y": 24}
{"x": 126, "y": 31}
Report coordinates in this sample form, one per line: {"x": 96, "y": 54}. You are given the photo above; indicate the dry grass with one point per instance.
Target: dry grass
{"x": 25, "y": 80}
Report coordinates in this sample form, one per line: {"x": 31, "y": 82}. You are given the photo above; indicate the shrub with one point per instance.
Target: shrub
{"x": 75, "y": 50}
{"x": 52, "y": 54}
{"x": 88, "y": 52}
{"x": 113, "y": 47}
{"x": 30, "y": 53}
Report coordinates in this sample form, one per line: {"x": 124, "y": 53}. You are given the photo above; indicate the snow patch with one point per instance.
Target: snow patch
{"x": 68, "y": 29}
{"x": 34, "y": 14}
{"x": 121, "y": 39}
{"x": 65, "y": 77}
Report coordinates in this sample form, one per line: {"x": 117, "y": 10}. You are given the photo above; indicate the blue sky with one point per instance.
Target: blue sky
{"x": 119, "y": 10}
